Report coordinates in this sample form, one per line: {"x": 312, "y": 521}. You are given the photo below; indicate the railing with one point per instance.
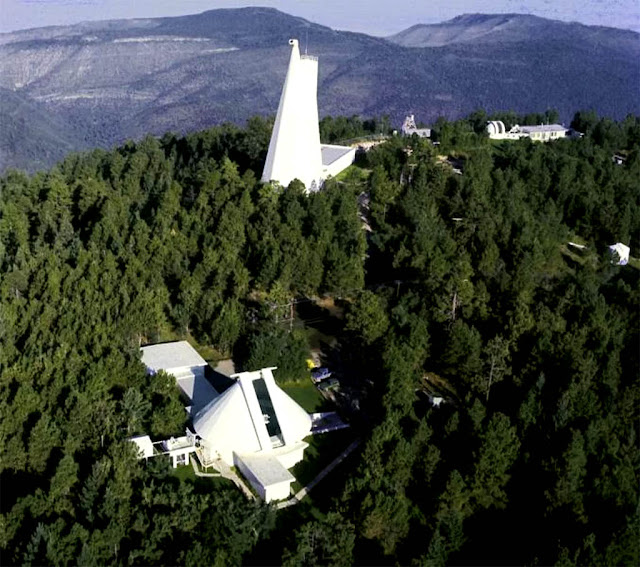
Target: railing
{"x": 309, "y": 57}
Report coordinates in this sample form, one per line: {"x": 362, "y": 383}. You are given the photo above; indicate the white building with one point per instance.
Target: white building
{"x": 181, "y": 360}
{"x": 178, "y": 448}
{"x": 621, "y": 251}
{"x": 336, "y": 159}
{"x": 144, "y": 445}
{"x": 295, "y": 151}
{"x": 257, "y": 427}
{"x": 409, "y": 128}
{"x": 253, "y": 425}
{"x": 542, "y": 133}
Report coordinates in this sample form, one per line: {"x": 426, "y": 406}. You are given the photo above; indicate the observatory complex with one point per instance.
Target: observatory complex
{"x": 252, "y": 425}
{"x": 542, "y": 133}
{"x": 295, "y": 151}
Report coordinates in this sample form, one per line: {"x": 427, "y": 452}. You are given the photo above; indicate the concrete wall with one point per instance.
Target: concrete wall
{"x": 292, "y": 457}
{"x": 279, "y": 491}
{"x": 340, "y": 164}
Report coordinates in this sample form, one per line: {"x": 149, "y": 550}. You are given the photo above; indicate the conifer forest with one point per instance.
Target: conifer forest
{"x": 452, "y": 268}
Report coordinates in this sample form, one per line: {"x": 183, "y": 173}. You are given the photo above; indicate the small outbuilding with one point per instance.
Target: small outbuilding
{"x": 144, "y": 446}
{"x": 620, "y": 253}
{"x": 183, "y": 362}
{"x": 409, "y": 128}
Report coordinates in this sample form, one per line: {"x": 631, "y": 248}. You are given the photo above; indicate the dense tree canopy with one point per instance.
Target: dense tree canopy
{"x": 465, "y": 287}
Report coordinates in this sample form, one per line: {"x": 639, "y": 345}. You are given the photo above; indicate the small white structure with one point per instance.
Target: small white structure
{"x": 144, "y": 446}
{"x": 267, "y": 475}
{"x": 181, "y": 360}
{"x": 178, "y": 448}
{"x": 622, "y": 252}
{"x": 295, "y": 151}
{"x": 496, "y": 129}
{"x": 257, "y": 427}
{"x": 409, "y": 128}
{"x": 542, "y": 133}
{"x": 336, "y": 159}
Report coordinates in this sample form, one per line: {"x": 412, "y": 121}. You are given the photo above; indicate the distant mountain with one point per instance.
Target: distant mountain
{"x": 96, "y": 84}
{"x": 511, "y": 28}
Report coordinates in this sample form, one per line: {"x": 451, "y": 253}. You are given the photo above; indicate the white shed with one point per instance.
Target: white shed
{"x": 622, "y": 251}
{"x": 181, "y": 360}
{"x": 144, "y": 445}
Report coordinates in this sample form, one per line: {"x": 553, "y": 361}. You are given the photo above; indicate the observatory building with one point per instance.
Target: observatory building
{"x": 542, "y": 133}
{"x": 252, "y": 425}
{"x": 295, "y": 151}
{"x": 257, "y": 427}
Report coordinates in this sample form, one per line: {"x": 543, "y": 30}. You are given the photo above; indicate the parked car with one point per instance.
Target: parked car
{"x": 319, "y": 374}
{"x": 331, "y": 384}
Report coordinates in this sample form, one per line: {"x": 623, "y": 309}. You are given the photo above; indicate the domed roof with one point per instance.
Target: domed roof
{"x": 496, "y": 127}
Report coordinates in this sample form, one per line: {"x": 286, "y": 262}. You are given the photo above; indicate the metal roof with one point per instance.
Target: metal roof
{"x": 543, "y": 128}
{"x": 332, "y": 153}
{"x": 267, "y": 469}
{"x": 168, "y": 356}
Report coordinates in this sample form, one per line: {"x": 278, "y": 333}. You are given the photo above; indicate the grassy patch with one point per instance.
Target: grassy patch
{"x": 307, "y": 396}
{"x": 354, "y": 174}
{"x": 205, "y": 483}
{"x": 184, "y": 473}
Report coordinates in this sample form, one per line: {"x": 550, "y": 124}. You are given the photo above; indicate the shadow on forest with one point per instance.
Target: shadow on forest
{"x": 319, "y": 318}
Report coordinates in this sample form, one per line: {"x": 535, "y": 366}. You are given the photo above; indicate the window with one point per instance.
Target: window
{"x": 268, "y": 412}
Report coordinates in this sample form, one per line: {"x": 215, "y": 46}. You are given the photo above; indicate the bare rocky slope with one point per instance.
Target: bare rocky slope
{"x": 99, "y": 83}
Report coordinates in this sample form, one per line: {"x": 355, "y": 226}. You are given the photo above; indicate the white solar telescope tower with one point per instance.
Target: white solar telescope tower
{"x": 294, "y": 150}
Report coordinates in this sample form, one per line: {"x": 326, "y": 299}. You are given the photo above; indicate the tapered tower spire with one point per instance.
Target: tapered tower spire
{"x": 294, "y": 150}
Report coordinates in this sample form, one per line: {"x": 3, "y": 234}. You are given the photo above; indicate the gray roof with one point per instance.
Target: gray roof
{"x": 267, "y": 469}
{"x": 332, "y": 153}
{"x": 543, "y": 128}
{"x": 198, "y": 390}
{"x": 168, "y": 356}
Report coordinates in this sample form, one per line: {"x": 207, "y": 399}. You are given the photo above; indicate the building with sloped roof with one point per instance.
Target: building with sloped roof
{"x": 255, "y": 426}
{"x": 183, "y": 362}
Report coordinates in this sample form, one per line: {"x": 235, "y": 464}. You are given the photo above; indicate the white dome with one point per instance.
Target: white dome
{"x": 496, "y": 127}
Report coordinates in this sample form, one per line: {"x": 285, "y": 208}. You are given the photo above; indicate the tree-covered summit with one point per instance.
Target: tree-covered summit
{"x": 463, "y": 287}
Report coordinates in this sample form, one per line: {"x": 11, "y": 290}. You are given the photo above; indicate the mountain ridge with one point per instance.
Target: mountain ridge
{"x": 119, "y": 79}
{"x": 509, "y": 27}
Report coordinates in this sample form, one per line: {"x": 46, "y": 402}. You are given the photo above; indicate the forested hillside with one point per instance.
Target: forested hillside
{"x": 464, "y": 287}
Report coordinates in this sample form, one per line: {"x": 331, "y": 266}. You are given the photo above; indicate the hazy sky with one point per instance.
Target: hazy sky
{"x": 378, "y": 17}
